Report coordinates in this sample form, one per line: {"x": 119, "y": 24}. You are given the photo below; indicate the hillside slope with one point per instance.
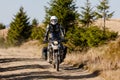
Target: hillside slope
{"x": 111, "y": 24}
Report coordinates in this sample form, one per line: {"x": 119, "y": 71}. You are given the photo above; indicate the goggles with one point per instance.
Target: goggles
{"x": 54, "y": 20}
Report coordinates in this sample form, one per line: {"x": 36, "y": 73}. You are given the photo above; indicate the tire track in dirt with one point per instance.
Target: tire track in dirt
{"x": 26, "y": 64}
{"x": 38, "y": 69}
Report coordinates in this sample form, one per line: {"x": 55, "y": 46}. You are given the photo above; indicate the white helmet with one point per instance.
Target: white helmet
{"x": 53, "y": 20}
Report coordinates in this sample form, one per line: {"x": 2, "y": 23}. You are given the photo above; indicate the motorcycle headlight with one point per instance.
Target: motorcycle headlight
{"x": 55, "y": 42}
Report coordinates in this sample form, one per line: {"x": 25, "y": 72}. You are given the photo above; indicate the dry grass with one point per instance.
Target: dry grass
{"x": 111, "y": 24}
{"x": 73, "y": 59}
{"x": 111, "y": 75}
{"x": 105, "y": 58}
{"x": 33, "y": 48}
{"x": 3, "y": 33}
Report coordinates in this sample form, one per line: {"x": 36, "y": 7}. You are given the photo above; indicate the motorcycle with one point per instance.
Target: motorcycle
{"x": 55, "y": 53}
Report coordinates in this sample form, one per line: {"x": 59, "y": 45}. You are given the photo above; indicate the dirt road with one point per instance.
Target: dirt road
{"x": 23, "y": 65}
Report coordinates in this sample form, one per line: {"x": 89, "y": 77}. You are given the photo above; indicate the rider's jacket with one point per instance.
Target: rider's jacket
{"x": 54, "y": 31}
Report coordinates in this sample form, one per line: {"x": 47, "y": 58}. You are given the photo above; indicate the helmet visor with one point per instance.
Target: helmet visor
{"x": 54, "y": 21}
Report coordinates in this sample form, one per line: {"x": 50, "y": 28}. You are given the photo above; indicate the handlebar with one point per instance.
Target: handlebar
{"x": 62, "y": 40}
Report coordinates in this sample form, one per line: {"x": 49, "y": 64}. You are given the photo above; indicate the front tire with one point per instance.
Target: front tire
{"x": 57, "y": 64}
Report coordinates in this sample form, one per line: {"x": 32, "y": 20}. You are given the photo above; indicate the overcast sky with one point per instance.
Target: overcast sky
{"x": 35, "y": 8}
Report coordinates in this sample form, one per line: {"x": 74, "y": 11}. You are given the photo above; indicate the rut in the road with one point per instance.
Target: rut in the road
{"x": 35, "y": 68}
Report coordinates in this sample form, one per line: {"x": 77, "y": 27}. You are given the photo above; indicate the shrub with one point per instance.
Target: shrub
{"x": 76, "y": 38}
{"x": 37, "y": 33}
{"x": 88, "y": 37}
{"x": 3, "y": 43}
{"x": 2, "y": 26}
{"x": 94, "y": 36}
{"x": 110, "y": 34}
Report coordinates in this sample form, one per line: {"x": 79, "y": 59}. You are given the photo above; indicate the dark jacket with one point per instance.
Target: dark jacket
{"x": 54, "y": 31}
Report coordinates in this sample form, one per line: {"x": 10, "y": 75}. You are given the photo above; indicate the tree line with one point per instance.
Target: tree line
{"x": 78, "y": 36}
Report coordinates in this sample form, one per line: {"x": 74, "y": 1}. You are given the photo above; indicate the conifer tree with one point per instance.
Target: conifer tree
{"x": 20, "y": 28}
{"x": 2, "y": 26}
{"x": 37, "y": 31}
{"x": 65, "y": 10}
{"x": 34, "y": 23}
{"x": 103, "y": 11}
{"x": 87, "y": 14}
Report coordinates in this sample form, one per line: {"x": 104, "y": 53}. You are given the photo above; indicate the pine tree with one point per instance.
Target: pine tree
{"x": 103, "y": 12}
{"x": 20, "y": 28}
{"x": 87, "y": 14}
{"x": 34, "y": 23}
{"x": 65, "y": 10}
{"x": 37, "y": 31}
{"x": 2, "y": 26}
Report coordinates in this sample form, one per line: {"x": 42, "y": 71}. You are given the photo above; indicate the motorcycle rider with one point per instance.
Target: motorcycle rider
{"x": 54, "y": 31}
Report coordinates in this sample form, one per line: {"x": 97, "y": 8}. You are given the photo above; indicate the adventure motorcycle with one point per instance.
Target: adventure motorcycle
{"x": 55, "y": 53}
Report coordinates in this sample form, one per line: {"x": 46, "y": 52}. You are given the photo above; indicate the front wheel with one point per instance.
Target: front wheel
{"x": 57, "y": 64}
